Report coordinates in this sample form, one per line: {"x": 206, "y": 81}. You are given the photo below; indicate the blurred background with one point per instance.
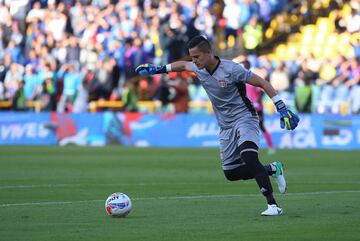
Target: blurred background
{"x": 64, "y": 63}
{"x": 72, "y": 109}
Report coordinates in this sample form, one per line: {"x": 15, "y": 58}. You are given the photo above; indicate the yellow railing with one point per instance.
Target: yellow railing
{"x": 153, "y": 106}
{"x": 31, "y": 104}
{"x": 150, "y": 106}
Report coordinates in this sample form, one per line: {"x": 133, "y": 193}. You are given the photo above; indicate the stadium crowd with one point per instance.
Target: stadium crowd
{"x": 68, "y": 53}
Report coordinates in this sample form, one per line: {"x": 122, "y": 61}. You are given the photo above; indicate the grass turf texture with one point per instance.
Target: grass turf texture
{"x": 53, "y": 193}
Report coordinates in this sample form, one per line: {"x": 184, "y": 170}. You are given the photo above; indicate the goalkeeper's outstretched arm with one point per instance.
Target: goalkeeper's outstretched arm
{"x": 150, "y": 69}
{"x": 180, "y": 66}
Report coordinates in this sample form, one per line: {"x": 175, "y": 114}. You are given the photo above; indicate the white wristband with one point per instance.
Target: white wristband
{"x": 276, "y": 98}
{"x": 168, "y": 68}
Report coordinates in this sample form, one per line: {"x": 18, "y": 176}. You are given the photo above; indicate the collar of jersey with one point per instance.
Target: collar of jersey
{"x": 212, "y": 72}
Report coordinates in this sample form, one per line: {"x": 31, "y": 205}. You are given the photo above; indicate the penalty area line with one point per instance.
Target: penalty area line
{"x": 174, "y": 198}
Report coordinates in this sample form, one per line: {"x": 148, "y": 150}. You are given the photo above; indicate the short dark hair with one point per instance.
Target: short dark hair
{"x": 200, "y": 42}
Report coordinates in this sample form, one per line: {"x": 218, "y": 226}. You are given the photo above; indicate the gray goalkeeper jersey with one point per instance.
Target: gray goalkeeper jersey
{"x": 227, "y": 93}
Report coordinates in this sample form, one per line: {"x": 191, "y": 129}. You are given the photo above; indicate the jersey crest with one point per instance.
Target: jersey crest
{"x": 223, "y": 83}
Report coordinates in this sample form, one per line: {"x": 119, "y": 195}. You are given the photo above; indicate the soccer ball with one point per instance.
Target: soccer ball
{"x": 118, "y": 205}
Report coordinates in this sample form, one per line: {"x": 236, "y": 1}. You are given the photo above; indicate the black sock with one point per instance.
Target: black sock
{"x": 269, "y": 170}
{"x": 250, "y": 156}
{"x": 264, "y": 184}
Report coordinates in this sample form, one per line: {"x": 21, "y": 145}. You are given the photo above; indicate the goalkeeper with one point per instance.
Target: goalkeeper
{"x": 224, "y": 82}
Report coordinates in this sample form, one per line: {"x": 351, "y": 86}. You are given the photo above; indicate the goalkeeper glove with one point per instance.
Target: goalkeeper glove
{"x": 150, "y": 69}
{"x": 288, "y": 119}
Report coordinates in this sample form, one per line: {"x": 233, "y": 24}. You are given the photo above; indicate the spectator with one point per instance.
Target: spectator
{"x": 353, "y": 77}
{"x": 353, "y": 83}
{"x": 55, "y": 24}
{"x": 31, "y": 82}
{"x": 352, "y": 22}
{"x": 16, "y": 34}
{"x": 19, "y": 99}
{"x": 18, "y": 10}
{"x": 35, "y": 13}
{"x": 103, "y": 79}
{"x": 46, "y": 95}
{"x": 339, "y": 22}
{"x": 132, "y": 52}
{"x": 354, "y": 100}
{"x": 72, "y": 51}
{"x": 252, "y": 35}
{"x": 4, "y": 67}
{"x": 156, "y": 39}
{"x": 265, "y": 11}
{"x": 232, "y": 14}
{"x": 162, "y": 94}
{"x": 82, "y": 97}
{"x": 205, "y": 24}
{"x": 15, "y": 52}
{"x": 71, "y": 80}
{"x": 175, "y": 33}
{"x": 12, "y": 79}
{"x": 5, "y": 20}
{"x": 2, "y": 91}
{"x": 181, "y": 96}
{"x": 32, "y": 58}
{"x": 303, "y": 97}
{"x": 143, "y": 90}
{"x": 356, "y": 46}
{"x": 1, "y": 43}
{"x": 129, "y": 98}
{"x": 280, "y": 78}
{"x": 305, "y": 75}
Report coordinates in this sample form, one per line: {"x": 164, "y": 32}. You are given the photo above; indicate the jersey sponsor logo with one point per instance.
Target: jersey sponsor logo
{"x": 223, "y": 83}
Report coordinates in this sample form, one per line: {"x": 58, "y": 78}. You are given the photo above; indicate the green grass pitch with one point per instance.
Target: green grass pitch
{"x": 58, "y": 193}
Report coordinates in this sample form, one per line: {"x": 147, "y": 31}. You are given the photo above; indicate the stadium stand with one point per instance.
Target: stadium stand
{"x": 76, "y": 56}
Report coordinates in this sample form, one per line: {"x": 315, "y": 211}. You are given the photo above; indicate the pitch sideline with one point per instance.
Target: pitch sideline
{"x": 175, "y": 198}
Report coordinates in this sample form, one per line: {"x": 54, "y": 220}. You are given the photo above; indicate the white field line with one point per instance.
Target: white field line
{"x": 92, "y": 185}
{"x": 70, "y": 185}
{"x": 176, "y": 198}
